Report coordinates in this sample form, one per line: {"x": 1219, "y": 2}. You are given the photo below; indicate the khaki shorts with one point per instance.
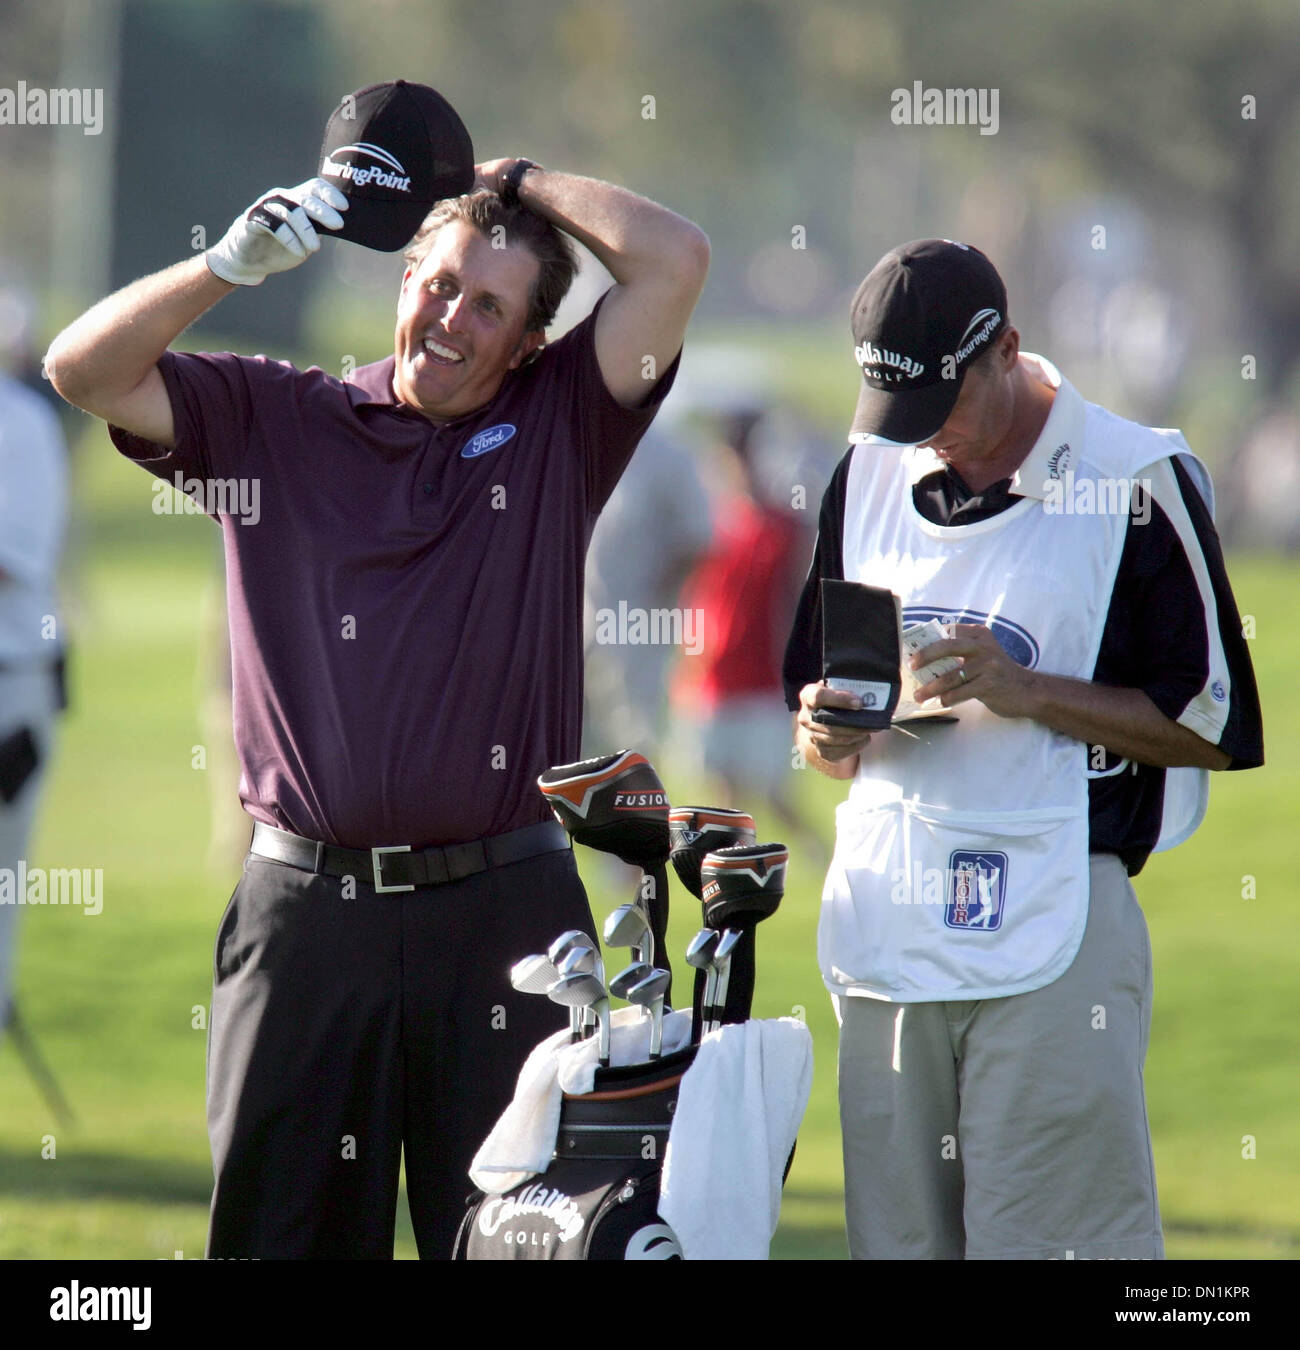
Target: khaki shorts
{"x": 1011, "y": 1128}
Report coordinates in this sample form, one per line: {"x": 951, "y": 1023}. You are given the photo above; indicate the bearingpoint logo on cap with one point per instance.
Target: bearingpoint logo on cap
{"x": 387, "y": 172}
{"x": 985, "y": 322}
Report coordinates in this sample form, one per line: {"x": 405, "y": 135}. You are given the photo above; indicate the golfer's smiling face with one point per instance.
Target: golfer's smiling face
{"x": 460, "y": 322}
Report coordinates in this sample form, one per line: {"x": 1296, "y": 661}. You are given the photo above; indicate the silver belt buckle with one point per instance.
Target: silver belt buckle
{"x": 380, "y": 888}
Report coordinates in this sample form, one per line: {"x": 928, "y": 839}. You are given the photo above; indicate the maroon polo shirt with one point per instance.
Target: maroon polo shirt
{"x": 406, "y": 614}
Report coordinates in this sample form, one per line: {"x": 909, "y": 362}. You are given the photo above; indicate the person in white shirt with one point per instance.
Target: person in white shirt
{"x": 988, "y": 959}
{"x": 33, "y": 507}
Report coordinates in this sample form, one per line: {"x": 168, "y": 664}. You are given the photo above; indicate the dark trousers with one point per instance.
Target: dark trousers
{"x": 344, "y": 1031}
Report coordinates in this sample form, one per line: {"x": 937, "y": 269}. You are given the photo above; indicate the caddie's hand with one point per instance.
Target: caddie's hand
{"x": 832, "y": 743}
{"x": 277, "y": 232}
{"x": 986, "y": 673}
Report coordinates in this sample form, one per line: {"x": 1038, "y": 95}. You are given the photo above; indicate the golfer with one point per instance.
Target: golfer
{"x": 405, "y": 607}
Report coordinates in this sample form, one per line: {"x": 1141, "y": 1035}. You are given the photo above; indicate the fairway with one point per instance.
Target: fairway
{"x": 117, "y": 1000}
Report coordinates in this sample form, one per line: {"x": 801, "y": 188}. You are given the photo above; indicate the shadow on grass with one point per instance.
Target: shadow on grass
{"x": 104, "y": 1176}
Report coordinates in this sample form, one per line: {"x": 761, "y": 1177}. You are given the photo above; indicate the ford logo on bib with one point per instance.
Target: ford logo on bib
{"x": 1017, "y": 642}
{"x": 491, "y": 439}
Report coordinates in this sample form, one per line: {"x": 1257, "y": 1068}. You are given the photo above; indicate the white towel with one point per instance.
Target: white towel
{"x": 522, "y": 1142}
{"x": 737, "y": 1116}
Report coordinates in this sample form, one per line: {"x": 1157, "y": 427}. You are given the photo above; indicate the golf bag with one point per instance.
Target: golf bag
{"x": 598, "y": 1200}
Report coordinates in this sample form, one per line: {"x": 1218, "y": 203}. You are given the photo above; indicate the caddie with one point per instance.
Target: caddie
{"x": 979, "y": 932}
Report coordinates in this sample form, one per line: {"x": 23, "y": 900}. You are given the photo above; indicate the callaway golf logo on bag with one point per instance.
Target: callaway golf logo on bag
{"x": 589, "y": 1210}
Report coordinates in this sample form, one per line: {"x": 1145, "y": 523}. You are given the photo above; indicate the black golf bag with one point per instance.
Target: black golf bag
{"x": 598, "y": 1200}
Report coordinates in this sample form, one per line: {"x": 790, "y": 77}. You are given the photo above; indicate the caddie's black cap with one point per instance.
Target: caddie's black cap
{"x": 394, "y": 150}
{"x": 921, "y": 303}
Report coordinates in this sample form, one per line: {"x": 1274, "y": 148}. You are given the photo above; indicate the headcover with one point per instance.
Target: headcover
{"x": 697, "y": 830}
{"x": 394, "y": 150}
{"x": 615, "y": 803}
{"x": 743, "y": 885}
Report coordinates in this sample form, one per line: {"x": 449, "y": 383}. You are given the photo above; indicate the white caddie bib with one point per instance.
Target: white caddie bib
{"x": 961, "y": 861}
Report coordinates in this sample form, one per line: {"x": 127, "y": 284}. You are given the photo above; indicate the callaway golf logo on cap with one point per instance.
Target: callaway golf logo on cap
{"x": 921, "y": 316}
{"x": 349, "y": 162}
{"x": 873, "y": 361}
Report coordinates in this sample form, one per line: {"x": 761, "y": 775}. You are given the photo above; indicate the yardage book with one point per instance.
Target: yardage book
{"x": 864, "y": 652}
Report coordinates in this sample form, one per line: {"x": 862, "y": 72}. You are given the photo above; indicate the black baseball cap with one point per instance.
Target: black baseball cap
{"x": 394, "y": 150}
{"x": 924, "y": 312}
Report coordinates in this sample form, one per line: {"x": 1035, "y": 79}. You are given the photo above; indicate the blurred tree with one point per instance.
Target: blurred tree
{"x": 218, "y": 101}
{"x": 760, "y": 117}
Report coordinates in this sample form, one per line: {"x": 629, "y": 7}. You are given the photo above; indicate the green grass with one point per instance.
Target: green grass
{"x": 112, "y": 997}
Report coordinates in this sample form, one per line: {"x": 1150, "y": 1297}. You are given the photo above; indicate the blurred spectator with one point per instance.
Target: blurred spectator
{"x": 649, "y": 536}
{"x": 1259, "y": 495}
{"x": 19, "y": 356}
{"x": 33, "y": 495}
{"x": 745, "y": 589}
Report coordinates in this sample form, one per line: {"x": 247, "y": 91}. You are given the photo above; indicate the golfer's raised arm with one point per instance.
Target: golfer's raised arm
{"x": 657, "y": 258}
{"x": 106, "y": 362}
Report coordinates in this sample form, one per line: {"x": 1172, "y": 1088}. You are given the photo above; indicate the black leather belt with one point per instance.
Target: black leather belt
{"x": 398, "y": 867}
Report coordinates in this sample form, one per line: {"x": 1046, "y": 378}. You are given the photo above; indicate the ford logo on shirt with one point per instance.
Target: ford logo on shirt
{"x": 1018, "y": 644}
{"x": 490, "y": 439}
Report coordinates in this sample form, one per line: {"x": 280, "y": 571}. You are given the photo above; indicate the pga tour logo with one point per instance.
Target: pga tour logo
{"x": 491, "y": 439}
{"x": 976, "y": 889}
{"x": 386, "y": 171}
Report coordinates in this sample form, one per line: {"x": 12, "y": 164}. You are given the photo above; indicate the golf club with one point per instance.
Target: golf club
{"x": 699, "y": 955}
{"x": 586, "y": 992}
{"x": 582, "y": 958}
{"x": 628, "y": 926}
{"x": 617, "y": 804}
{"x": 649, "y": 993}
{"x": 625, "y": 979}
{"x": 556, "y": 952}
{"x": 741, "y": 886}
{"x": 535, "y": 975}
{"x": 694, "y": 832}
{"x": 570, "y": 938}
{"x": 727, "y": 944}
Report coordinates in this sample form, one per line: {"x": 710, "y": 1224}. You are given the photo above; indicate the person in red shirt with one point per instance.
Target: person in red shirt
{"x": 743, "y": 593}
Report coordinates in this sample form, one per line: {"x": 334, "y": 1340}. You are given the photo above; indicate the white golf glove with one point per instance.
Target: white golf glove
{"x": 276, "y": 232}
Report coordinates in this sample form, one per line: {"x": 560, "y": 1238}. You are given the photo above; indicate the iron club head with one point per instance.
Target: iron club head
{"x": 649, "y": 993}
{"x": 585, "y": 991}
{"x": 535, "y": 975}
{"x": 626, "y": 979}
